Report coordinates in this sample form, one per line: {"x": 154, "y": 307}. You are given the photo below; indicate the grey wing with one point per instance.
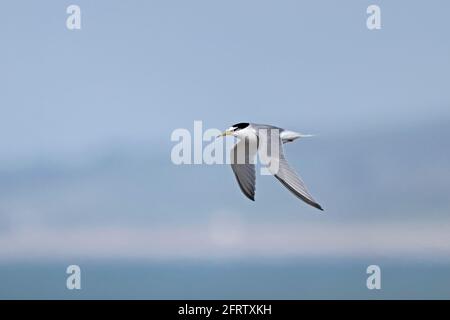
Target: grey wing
{"x": 288, "y": 177}
{"x": 244, "y": 172}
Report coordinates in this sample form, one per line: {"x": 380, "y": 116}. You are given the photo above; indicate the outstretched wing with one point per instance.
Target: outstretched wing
{"x": 243, "y": 165}
{"x": 281, "y": 169}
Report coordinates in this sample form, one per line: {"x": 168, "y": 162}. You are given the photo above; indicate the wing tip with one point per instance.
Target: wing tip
{"x": 318, "y": 206}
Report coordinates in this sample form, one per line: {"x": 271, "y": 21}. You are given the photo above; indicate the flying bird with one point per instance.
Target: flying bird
{"x": 269, "y": 136}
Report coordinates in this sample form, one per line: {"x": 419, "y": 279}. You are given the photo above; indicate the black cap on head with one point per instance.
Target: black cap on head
{"x": 241, "y": 125}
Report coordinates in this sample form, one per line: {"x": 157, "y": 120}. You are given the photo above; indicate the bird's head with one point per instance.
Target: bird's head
{"x": 235, "y": 129}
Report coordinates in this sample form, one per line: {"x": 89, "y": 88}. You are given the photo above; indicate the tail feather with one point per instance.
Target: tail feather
{"x": 289, "y": 136}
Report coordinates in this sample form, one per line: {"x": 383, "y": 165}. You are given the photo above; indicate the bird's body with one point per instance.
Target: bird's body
{"x": 254, "y": 137}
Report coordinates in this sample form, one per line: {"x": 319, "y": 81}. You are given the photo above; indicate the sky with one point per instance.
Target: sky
{"x": 86, "y": 118}
{"x": 137, "y": 71}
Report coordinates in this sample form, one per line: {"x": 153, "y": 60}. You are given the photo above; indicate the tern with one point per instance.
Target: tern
{"x": 245, "y": 172}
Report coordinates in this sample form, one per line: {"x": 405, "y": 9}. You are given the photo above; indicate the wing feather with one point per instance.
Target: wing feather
{"x": 287, "y": 175}
{"x": 244, "y": 172}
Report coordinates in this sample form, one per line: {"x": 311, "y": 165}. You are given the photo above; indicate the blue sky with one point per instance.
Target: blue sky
{"x": 137, "y": 71}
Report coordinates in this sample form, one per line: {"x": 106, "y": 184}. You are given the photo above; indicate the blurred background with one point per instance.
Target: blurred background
{"x": 86, "y": 176}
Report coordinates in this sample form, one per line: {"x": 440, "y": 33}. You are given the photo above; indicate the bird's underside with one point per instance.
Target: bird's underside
{"x": 277, "y": 165}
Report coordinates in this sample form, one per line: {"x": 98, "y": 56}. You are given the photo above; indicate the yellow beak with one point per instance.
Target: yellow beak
{"x": 225, "y": 133}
